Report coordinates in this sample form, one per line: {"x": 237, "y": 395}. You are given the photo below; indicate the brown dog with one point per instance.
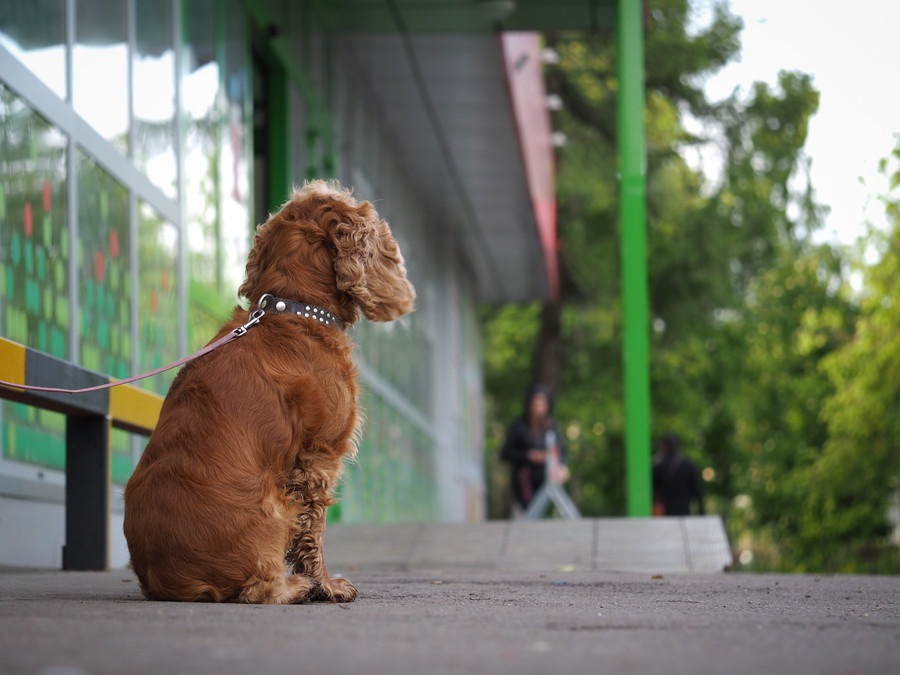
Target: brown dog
{"x": 228, "y": 501}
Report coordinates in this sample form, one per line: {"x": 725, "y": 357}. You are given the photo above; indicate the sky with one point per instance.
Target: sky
{"x": 851, "y": 50}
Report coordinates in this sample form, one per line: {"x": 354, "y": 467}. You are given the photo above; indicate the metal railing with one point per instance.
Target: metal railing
{"x": 89, "y": 417}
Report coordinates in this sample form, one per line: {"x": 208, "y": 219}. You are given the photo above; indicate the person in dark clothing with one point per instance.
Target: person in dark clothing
{"x": 529, "y": 439}
{"x": 676, "y": 481}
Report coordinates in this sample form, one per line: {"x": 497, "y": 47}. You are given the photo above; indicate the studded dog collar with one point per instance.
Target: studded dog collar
{"x": 307, "y": 310}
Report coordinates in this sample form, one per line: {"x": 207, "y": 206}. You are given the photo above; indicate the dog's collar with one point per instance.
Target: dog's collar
{"x": 270, "y": 303}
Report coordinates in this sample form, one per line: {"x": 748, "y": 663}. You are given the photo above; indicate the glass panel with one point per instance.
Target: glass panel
{"x": 33, "y": 436}
{"x": 399, "y": 353}
{"x": 37, "y": 38}
{"x": 121, "y": 456}
{"x": 157, "y": 297}
{"x": 104, "y": 273}
{"x": 298, "y": 123}
{"x": 101, "y": 57}
{"x": 318, "y": 63}
{"x": 34, "y": 252}
{"x": 393, "y": 478}
{"x": 34, "y": 243}
{"x": 210, "y": 294}
{"x": 235, "y": 157}
{"x": 316, "y": 58}
{"x": 154, "y": 94}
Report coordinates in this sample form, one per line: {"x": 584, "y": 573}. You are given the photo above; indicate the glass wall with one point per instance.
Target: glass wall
{"x": 100, "y": 55}
{"x": 153, "y": 93}
{"x": 34, "y": 257}
{"x": 217, "y": 164}
{"x": 236, "y": 156}
{"x": 37, "y": 39}
{"x": 113, "y": 218}
{"x": 203, "y": 131}
{"x": 157, "y": 306}
{"x": 123, "y": 245}
{"x": 392, "y": 479}
{"x": 104, "y": 271}
{"x": 34, "y": 243}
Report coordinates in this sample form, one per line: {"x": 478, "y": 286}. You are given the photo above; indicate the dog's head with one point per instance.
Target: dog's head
{"x": 325, "y": 247}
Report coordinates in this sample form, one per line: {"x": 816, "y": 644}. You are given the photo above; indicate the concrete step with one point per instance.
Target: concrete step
{"x": 692, "y": 545}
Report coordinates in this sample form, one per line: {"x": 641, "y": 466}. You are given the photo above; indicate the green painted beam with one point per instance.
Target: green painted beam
{"x": 279, "y": 138}
{"x": 632, "y": 216}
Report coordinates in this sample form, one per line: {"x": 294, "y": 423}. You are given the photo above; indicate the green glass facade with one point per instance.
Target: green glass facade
{"x": 137, "y": 154}
{"x": 103, "y": 272}
{"x": 33, "y": 234}
{"x": 34, "y": 250}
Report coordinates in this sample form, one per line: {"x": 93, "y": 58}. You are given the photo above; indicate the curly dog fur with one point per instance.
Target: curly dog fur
{"x": 228, "y": 500}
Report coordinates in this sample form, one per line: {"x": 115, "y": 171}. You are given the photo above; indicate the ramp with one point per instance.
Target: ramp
{"x": 692, "y": 545}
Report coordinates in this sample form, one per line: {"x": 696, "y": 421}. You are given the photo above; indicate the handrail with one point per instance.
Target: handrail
{"x": 128, "y": 407}
{"x": 88, "y": 419}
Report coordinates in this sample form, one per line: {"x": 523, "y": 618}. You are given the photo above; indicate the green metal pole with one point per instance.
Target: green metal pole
{"x": 278, "y": 136}
{"x": 632, "y": 170}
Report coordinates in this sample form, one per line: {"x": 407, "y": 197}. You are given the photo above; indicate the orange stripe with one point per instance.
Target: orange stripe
{"x": 12, "y": 361}
{"x": 134, "y": 407}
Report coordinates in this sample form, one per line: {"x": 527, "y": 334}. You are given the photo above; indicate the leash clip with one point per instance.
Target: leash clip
{"x": 255, "y": 316}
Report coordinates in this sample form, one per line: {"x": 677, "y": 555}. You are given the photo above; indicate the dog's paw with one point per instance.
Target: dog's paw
{"x": 337, "y": 590}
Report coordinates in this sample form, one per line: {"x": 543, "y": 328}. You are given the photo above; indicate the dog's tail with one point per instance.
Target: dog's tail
{"x": 184, "y": 590}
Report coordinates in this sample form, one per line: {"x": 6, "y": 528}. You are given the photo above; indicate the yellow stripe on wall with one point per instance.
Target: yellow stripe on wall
{"x": 12, "y": 361}
{"x": 134, "y": 407}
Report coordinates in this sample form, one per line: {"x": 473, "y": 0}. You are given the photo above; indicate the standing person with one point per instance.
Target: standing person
{"x": 676, "y": 481}
{"x": 525, "y": 448}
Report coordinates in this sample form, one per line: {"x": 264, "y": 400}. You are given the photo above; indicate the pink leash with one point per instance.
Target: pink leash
{"x": 255, "y": 316}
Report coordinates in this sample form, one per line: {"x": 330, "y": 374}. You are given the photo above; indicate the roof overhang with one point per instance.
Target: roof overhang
{"x": 447, "y": 103}
{"x": 473, "y": 16}
{"x": 461, "y": 90}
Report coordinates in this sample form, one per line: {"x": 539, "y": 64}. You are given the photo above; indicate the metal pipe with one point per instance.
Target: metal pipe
{"x": 632, "y": 190}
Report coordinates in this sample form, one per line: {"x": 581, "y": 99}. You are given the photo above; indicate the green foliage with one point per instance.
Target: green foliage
{"x": 685, "y": 252}
{"x": 782, "y": 385}
{"x": 793, "y": 318}
{"x": 859, "y": 470}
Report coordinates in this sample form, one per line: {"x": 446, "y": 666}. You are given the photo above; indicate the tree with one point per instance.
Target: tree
{"x": 845, "y": 519}
{"x": 688, "y": 247}
{"x": 779, "y": 377}
{"x": 707, "y": 243}
{"x": 796, "y": 315}
{"x": 586, "y": 324}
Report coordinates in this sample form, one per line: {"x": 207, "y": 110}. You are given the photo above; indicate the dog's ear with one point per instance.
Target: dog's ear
{"x": 368, "y": 264}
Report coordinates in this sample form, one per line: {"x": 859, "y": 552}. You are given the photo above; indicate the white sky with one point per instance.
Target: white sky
{"x": 851, "y": 50}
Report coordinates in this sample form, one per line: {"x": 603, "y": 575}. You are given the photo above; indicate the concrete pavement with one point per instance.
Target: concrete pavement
{"x": 647, "y": 545}
{"x": 462, "y": 617}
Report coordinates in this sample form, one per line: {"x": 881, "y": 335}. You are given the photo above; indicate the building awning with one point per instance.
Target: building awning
{"x": 446, "y": 100}
{"x": 461, "y": 87}
{"x": 462, "y": 91}
{"x": 473, "y": 16}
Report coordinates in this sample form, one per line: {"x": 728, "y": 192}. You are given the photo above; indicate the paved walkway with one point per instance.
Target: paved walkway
{"x": 463, "y": 615}
{"x": 646, "y": 545}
